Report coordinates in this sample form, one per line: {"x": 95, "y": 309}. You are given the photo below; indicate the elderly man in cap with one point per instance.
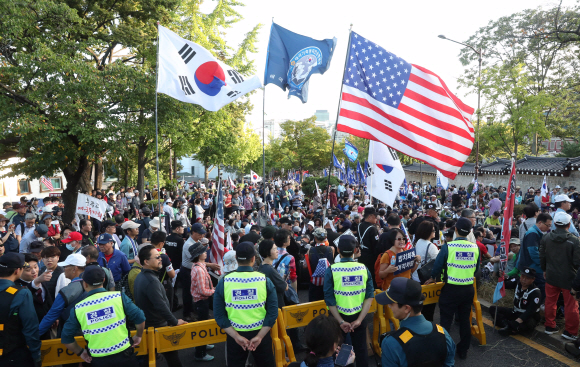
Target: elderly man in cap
{"x": 20, "y": 215}
{"x": 17, "y": 317}
{"x": 102, "y": 318}
{"x": 461, "y": 259}
{"x": 245, "y": 306}
{"x": 525, "y": 314}
{"x": 27, "y": 226}
{"x": 129, "y": 243}
{"x": 318, "y": 258}
{"x": 111, "y": 258}
{"x": 563, "y": 204}
{"x": 41, "y": 231}
{"x": 560, "y": 260}
{"x": 348, "y": 293}
{"x": 407, "y": 345}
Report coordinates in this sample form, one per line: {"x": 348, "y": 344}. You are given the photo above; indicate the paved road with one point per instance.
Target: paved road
{"x": 499, "y": 351}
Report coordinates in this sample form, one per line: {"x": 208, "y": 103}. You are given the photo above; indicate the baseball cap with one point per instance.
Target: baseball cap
{"x": 296, "y": 229}
{"x": 198, "y": 228}
{"x": 36, "y": 246}
{"x": 74, "y": 259}
{"x": 42, "y": 230}
{"x": 130, "y": 225}
{"x": 463, "y": 226}
{"x": 245, "y": 251}
{"x": 319, "y": 233}
{"x": 562, "y": 197}
{"x": 12, "y": 260}
{"x": 529, "y": 272}
{"x": 403, "y": 291}
{"x": 73, "y": 236}
{"x": 105, "y": 238}
{"x": 557, "y": 187}
{"x": 515, "y": 241}
{"x": 562, "y": 218}
{"x": 93, "y": 275}
{"x": 346, "y": 244}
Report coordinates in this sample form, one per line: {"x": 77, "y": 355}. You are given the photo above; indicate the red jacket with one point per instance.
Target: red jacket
{"x": 333, "y": 199}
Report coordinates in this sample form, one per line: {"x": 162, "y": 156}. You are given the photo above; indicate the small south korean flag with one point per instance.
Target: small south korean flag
{"x": 190, "y": 73}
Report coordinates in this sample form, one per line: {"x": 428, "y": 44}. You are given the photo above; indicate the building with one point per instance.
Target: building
{"x": 13, "y": 188}
{"x": 554, "y": 145}
{"x": 194, "y": 170}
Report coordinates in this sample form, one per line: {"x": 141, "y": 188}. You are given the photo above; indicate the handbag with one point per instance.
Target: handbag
{"x": 290, "y": 295}
{"x": 424, "y": 271}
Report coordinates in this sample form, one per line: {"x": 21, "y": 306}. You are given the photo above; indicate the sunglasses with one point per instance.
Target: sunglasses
{"x": 156, "y": 257}
{"x": 399, "y": 239}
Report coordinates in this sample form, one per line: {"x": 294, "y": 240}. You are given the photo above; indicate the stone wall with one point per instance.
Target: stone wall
{"x": 523, "y": 180}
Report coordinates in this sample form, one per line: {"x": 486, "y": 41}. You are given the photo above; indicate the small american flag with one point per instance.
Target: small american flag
{"x": 408, "y": 245}
{"x": 404, "y": 106}
{"x": 216, "y": 255}
{"x": 318, "y": 274}
{"x": 46, "y": 182}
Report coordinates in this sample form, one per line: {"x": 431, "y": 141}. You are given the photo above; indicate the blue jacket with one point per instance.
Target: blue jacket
{"x": 219, "y": 304}
{"x": 118, "y": 264}
{"x": 23, "y": 305}
{"x": 72, "y": 325}
{"x": 392, "y": 353}
{"x": 530, "y": 250}
{"x": 126, "y": 247}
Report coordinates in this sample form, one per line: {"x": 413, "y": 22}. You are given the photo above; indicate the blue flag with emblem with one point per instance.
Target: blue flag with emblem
{"x": 350, "y": 151}
{"x": 336, "y": 163}
{"x": 293, "y": 58}
{"x": 361, "y": 173}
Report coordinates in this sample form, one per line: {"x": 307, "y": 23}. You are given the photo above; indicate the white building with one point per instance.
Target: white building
{"x": 13, "y": 188}
{"x": 196, "y": 171}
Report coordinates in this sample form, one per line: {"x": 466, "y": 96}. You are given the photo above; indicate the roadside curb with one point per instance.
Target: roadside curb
{"x": 538, "y": 335}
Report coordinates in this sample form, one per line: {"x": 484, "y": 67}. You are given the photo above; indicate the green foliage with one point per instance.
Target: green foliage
{"x": 309, "y": 187}
{"x": 570, "y": 150}
{"x": 303, "y": 145}
{"x": 519, "y": 209}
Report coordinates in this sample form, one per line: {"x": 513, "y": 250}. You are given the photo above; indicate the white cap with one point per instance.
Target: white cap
{"x": 563, "y": 197}
{"x": 557, "y": 187}
{"x": 74, "y": 259}
{"x": 154, "y": 222}
{"x": 130, "y": 224}
{"x": 311, "y": 223}
{"x": 560, "y": 218}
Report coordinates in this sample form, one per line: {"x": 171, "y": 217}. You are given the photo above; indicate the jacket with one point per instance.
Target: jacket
{"x": 560, "y": 257}
{"x": 150, "y": 296}
{"x": 529, "y": 254}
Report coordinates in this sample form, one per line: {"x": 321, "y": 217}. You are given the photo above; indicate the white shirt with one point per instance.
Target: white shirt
{"x": 61, "y": 282}
{"x": 17, "y": 231}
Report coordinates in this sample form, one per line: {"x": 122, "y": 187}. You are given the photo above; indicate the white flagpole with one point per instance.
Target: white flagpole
{"x": 157, "y": 134}
{"x": 371, "y": 164}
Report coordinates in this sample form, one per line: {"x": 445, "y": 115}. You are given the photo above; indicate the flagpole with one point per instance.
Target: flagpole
{"x": 371, "y": 164}
{"x": 336, "y": 122}
{"x": 157, "y": 129}
{"x": 264, "y": 114}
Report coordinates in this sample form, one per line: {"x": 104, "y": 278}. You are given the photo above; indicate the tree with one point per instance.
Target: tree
{"x": 64, "y": 78}
{"x": 304, "y": 146}
{"x": 570, "y": 150}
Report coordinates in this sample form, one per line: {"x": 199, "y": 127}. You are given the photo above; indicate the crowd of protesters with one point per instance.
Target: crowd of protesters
{"x": 297, "y": 237}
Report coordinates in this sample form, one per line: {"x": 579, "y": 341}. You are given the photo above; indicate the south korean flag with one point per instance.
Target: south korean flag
{"x": 190, "y": 73}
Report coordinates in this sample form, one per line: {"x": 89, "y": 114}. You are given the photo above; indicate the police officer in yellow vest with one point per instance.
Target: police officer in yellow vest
{"x": 102, "y": 318}
{"x": 245, "y": 306}
{"x": 406, "y": 346}
{"x": 348, "y": 293}
{"x": 460, "y": 260}
{"x": 19, "y": 338}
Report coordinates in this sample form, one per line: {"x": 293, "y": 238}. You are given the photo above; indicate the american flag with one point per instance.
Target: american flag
{"x": 404, "y": 106}
{"x": 318, "y": 274}
{"x": 216, "y": 255}
{"x": 46, "y": 182}
{"x": 408, "y": 245}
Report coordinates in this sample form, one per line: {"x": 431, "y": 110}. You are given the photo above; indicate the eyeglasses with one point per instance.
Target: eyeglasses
{"x": 157, "y": 257}
{"x": 399, "y": 239}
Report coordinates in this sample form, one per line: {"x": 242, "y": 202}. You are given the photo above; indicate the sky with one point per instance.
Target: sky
{"x": 408, "y": 29}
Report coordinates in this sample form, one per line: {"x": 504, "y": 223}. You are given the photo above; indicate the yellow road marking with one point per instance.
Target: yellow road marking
{"x": 547, "y": 351}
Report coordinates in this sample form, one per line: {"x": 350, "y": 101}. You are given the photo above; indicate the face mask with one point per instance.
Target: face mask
{"x": 409, "y": 314}
{"x": 70, "y": 247}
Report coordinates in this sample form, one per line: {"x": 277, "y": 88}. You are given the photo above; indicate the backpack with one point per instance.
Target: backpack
{"x": 317, "y": 277}
{"x": 124, "y": 285}
{"x": 378, "y": 279}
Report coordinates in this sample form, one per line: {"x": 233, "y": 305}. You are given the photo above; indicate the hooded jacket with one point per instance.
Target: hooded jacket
{"x": 560, "y": 257}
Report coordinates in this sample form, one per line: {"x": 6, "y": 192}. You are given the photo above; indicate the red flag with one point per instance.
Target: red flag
{"x": 506, "y": 229}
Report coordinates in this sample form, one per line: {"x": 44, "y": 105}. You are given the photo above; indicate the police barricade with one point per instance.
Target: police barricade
{"x": 432, "y": 293}
{"x": 53, "y": 352}
{"x": 200, "y": 333}
{"x": 300, "y": 315}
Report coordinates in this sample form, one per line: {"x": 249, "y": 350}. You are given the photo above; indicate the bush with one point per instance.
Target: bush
{"x": 308, "y": 185}
{"x": 519, "y": 209}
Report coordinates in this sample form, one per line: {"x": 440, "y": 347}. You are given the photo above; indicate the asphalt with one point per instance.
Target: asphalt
{"x": 533, "y": 350}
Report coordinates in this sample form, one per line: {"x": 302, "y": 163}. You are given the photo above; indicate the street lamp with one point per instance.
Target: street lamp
{"x": 479, "y": 54}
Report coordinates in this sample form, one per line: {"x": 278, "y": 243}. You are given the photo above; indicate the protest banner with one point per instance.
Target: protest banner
{"x": 91, "y": 206}
{"x": 405, "y": 260}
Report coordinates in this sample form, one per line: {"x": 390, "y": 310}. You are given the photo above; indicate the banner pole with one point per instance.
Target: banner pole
{"x": 157, "y": 131}
{"x": 336, "y": 122}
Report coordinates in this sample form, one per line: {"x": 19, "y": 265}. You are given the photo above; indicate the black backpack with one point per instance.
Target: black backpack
{"x": 124, "y": 284}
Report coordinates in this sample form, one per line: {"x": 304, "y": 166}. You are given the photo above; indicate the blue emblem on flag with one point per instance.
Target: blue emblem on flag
{"x": 350, "y": 151}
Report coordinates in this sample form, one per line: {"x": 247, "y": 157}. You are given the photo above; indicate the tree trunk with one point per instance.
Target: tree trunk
{"x": 84, "y": 183}
{"x": 126, "y": 172}
{"x": 74, "y": 178}
{"x": 99, "y": 174}
{"x": 219, "y": 177}
{"x": 141, "y": 161}
{"x": 205, "y": 173}
{"x": 175, "y": 166}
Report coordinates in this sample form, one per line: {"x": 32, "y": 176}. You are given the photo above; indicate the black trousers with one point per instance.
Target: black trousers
{"x": 315, "y": 292}
{"x": 457, "y": 299}
{"x": 237, "y": 356}
{"x": 359, "y": 340}
{"x": 127, "y": 358}
{"x": 19, "y": 357}
{"x": 202, "y": 309}
{"x": 185, "y": 274}
{"x": 428, "y": 311}
{"x": 505, "y": 314}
